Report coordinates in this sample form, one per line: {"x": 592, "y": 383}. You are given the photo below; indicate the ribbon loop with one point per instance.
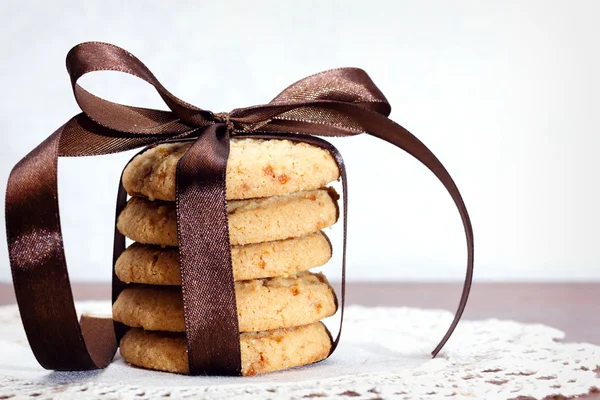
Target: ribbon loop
{"x": 339, "y": 102}
{"x": 95, "y": 56}
{"x": 348, "y": 85}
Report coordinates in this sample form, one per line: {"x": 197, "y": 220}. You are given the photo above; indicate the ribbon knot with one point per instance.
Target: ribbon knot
{"x": 338, "y": 102}
{"x": 224, "y": 118}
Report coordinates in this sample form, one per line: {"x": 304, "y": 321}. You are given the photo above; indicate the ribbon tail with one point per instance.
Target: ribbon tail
{"x": 39, "y": 268}
{"x": 210, "y": 311}
{"x": 36, "y": 250}
{"x": 380, "y": 126}
{"x": 397, "y": 135}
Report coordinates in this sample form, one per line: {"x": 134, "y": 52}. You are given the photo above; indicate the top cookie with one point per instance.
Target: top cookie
{"x": 255, "y": 168}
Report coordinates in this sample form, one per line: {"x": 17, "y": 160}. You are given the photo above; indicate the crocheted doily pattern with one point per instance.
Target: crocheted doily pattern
{"x": 384, "y": 353}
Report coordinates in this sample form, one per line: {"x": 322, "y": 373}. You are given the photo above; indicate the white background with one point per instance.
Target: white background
{"x": 506, "y": 94}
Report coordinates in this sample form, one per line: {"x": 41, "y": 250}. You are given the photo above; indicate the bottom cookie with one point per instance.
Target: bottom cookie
{"x": 262, "y": 352}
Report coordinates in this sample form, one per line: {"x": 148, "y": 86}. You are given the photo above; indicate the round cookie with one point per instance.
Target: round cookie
{"x": 250, "y": 221}
{"x": 255, "y": 168}
{"x": 262, "y": 304}
{"x": 154, "y": 265}
{"x": 261, "y": 352}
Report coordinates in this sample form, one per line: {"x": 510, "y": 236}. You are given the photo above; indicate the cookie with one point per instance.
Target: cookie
{"x": 255, "y": 168}
{"x": 154, "y": 265}
{"x": 261, "y": 352}
{"x": 262, "y": 304}
{"x": 250, "y": 221}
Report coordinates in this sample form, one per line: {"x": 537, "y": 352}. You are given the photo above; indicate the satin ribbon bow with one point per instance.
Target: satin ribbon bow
{"x": 339, "y": 102}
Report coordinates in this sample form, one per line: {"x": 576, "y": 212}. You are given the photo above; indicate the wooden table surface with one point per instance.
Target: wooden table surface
{"x": 571, "y": 307}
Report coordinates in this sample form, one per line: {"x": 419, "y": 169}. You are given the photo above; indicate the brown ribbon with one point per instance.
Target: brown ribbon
{"x": 339, "y": 102}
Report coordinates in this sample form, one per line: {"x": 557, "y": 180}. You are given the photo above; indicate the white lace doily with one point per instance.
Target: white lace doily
{"x": 384, "y": 353}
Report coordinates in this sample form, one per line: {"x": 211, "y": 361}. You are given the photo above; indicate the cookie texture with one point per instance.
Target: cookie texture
{"x": 262, "y": 304}
{"x": 255, "y": 168}
{"x": 155, "y": 265}
{"x": 261, "y": 352}
{"x": 250, "y": 221}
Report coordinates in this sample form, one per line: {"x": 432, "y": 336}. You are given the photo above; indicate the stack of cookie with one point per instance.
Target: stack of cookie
{"x": 277, "y": 204}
